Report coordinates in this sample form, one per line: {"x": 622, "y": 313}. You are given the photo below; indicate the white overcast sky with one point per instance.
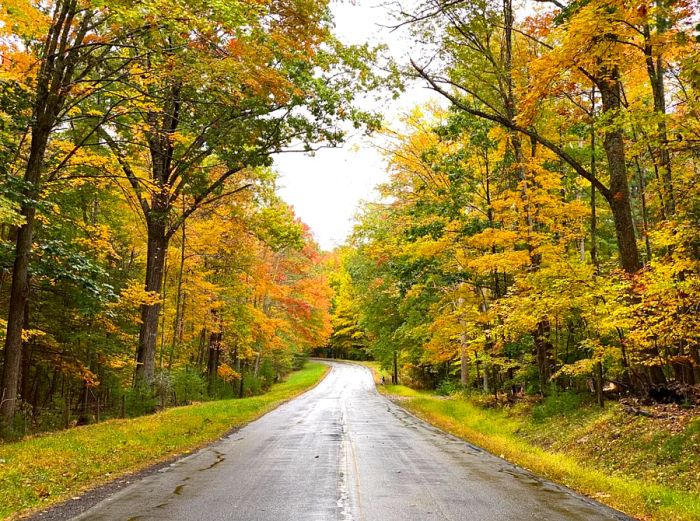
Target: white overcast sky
{"x": 326, "y": 189}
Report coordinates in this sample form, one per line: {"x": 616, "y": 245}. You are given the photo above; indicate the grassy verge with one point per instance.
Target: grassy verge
{"x": 648, "y": 468}
{"x": 40, "y": 471}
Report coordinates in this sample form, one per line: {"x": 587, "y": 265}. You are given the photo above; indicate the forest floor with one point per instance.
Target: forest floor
{"x": 38, "y": 472}
{"x": 646, "y": 466}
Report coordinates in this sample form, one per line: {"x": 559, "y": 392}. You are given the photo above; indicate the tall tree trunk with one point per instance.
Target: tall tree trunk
{"x": 213, "y": 360}
{"x": 600, "y": 398}
{"x": 643, "y": 206}
{"x": 200, "y": 348}
{"x": 619, "y": 200}
{"x": 594, "y": 217}
{"x": 543, "y": 347}
{"x": 463, "y": 363}
{"x": 485, "y": 379}
{"x": 19, "y": 292}
{"x": 179, "y": 301}
{"x": 463, "y": 358}
{"x": 655, "y": 71}
{"x": 241, "y": 384}
{"x": 27, "y": 354}
{"x": 155, "y": 265}
{"x": 161, "y": 311}
{"x": 161, "y": 128}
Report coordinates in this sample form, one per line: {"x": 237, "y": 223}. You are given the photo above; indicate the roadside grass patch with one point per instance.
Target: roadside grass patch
{"x": 38, "y": 472}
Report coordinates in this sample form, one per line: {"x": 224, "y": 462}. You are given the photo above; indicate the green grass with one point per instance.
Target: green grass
{"x": 40, "y": 471}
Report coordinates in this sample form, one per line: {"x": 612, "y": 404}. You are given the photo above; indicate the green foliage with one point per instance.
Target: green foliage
{"x": 188, "y": 385}
{"x": 140, "y": 400}
{"x": 448, "y": 387}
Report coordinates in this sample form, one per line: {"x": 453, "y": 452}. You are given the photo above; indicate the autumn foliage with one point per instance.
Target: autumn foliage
{"x": 145, "y": 258}
{"x": 540, "y": 230}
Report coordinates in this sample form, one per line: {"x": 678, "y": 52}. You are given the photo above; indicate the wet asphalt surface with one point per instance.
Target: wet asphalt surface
{"x": 343, "y": 452}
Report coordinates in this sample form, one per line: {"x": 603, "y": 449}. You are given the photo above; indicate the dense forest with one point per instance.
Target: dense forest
{"x": 540, "y": 229}
{"x": 527, "y": 273}
{"x": 145, "y": 258}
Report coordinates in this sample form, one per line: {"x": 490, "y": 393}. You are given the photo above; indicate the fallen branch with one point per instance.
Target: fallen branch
{"x": 639, "y": 412}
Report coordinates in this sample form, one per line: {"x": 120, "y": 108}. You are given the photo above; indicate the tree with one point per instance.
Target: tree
{"x": 219, "y": 91}
{"x": 480, "y": 34}
{"x": 52, "y": 50}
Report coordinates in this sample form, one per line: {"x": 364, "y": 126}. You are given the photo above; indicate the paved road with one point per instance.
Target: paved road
{"x": 343, "y": 452}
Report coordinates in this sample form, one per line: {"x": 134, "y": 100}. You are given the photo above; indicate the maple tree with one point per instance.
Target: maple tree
{"x": 123, "y": 121}
{"x": 490, "y": 247}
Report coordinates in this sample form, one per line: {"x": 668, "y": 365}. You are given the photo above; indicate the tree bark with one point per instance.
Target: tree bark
{"x": 155, "y": 265}
{"x": 179, "y": 301}
{"x": 19, "y": 292}
{"x": 241, "y": 384}
{"x": 395, "y": 372}
{"x": 27, "y": 354}
{"x": 464, "y": 363}
{"x": 619, "y": 200}
{"x": 599, "y": 384}
{"x": 213, "y": 360}
{"x": 643, "y": 206}
{"x": 543, "y": 347}
{"x": 485, "y": 379}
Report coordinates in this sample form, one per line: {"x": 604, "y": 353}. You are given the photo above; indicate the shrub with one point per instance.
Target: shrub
{"x": 448, "y": 386}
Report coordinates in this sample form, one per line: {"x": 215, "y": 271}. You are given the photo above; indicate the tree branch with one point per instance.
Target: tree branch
{"x": 201, "y": 198}
{"x": 505, "y": 122}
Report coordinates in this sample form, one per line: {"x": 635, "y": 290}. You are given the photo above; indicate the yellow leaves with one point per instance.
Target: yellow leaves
{"x": 99, "y": 239}
{"x": 597, "y": 36}
{"x": 134, "y": 295}
{"x": 23, "y": 18}
{"x": 37, "y": 335}
{"x": 507, "y": 261}
{"x": 180, "y": 138}
{"x": 117, "y": 362}
{"x": 583, "y": 367}
{"x": 667, "y": 312}
{"x": 493, "y": 238}
{"x": 268, "y": 301}
{"x": 426, "y": 248}
{"x": 227, "y": 374}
